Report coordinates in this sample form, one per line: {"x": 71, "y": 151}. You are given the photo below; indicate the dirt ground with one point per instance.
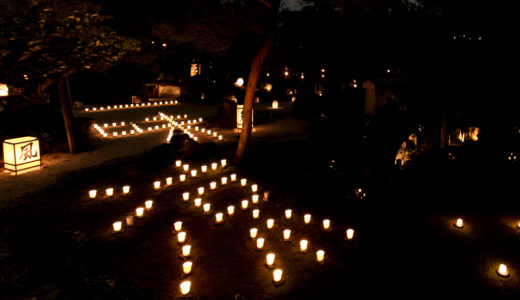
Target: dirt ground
{"x": 57, "y": 243}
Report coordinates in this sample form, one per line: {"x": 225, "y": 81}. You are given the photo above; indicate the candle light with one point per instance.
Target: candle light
{"x": 92, "y": 194}
{"x": 186, "y": 250}
{"x": 254, "y": 188}
{"x": 231, "y": 210}
{"x": 254, "y": 198}
{"x": 307, "y": 218}
{"x": 277, "y": 276}
{"x": 326, "y": 224}
{"x": 186, "y": 267}
{"x": 243, "y": 182}
{"x": 169, "y": 180}
{"x": 148, "y": 204}
{"x": 459, "y": 223}
{"x": 215, "y": 134}
{"x": 213, "y": 185}
{"x": 303, "y": 246}
{"x": 245, "y": 204}
{"x": 206, "y": 207}
{"x": 269, "y": 259}
{"x": 181, "y": 237}
{"x": 219, "y": 218}
{"x": 129, "y": 220}
{"x": 288, "y": 213}
{"x": 185, "y": 287}
{"x": 178, "y": 163}
{"x": 270, "y": 223}
{"x": 200, "y": 190}
{"x": 223, "y": 163}
{"x": 186, "y": 167}
{"x": 182, "y": 177}
{"x": 502, "y": 270}
{"x": 117, "y": 226}
{"x": 193, "y": 173}
{"x": 259, "y": 243}
{"x": 139, "y": 212}
{"x": 266, "y": 196}
{"x": 350, "y": 234}
{"x": 185, "y": 196}
{"x": 253, "y": 232}
{"x": 208, "y": 132}
{"x": 156, "y": 185}
{"x": 197, "y": 202}
{"x": 177, "y": 226}
{"x": 223, "y": 180}
{"x": 256, "y": 213}
{"x": 109, "y": 192}
{"x": 204, "y": 168}
{"x": 220, "y": 138}
{"x": 320, "y": 256}
{"x": 214, "y": 166}
{"x": 233, "y": 177}
{"x": 287, "y": 235}
{"x": 126, "y": 189}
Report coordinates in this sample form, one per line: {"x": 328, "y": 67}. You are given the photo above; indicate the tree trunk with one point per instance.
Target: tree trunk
{"x": 442, "y": 143}
{"x": 66, "y": 111}
{"x": 69, "y": 95}
{"x": 252, "y": 81}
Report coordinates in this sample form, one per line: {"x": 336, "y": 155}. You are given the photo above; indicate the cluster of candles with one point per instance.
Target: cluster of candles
{"x": 139, "y": 213}
{"x": 109, "y": 192}
{"x": 187, "y": 127}
{"x": 133, "y": 105}
{"x": 185, "y": 285}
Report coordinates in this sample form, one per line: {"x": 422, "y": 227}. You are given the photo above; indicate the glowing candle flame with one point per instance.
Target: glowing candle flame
{"x": 256, "y": 213}
{"x": 185, "y": 196}
{"x": 288, "y": 213}
{"x": 459, "y": 223}
{"x": 253, "y": 232}
{"x": 231, "y": 210}
{"x": 117, "y": 226}
{"x": 110, "y": 192}
{"x": 200, "y": 190}
{"x": 303, "y": 245}
{"x": 157, "y": 185}
{"x": 233, "y": 177}
{"x": 320, "y": 256}
{"x": 139, "y": 212}
{"x": 181, "y": 237}
{"x": 277, "y": 275}
{"x": 186, "y": 250}
{"x": 185, "y": 287}
{"x": 243, "y": 182}
{"x": 254, "y": 188}
{"x": 307, "y": 218}
{"x": 260, "y": 243}
{"x": 286, "y": 234}
{"x": 148, "y": 204}
{"x": 350, "y": 233}
{"x": 219, "y": 218}
{"x": 186, "y": 267}
{"x": 213, "y": 185}
{"x": 269, "y": 259}
{"x": 177, "y": 225}
{"x": 197, "y": 202}
{"x": 270, "y": 223}
{"x": 502, "y": 270}
{"x": 245, "y": 204}
{"x": 254, "y": 198}
{"x": 92, "y": 194}
{"x": 326, "y": 224}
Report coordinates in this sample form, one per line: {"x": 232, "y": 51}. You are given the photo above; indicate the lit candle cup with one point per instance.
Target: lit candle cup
{"x": 186, "y": 267}
{"x": 245, "y": 204}
{"x": 139, "y": 212}
{"x": 206, "y": 207}
{"x": 243, "y": 182}
{"x": 177, "y": 226}
{"x": 233, "y": 177}
{"x": 223, "y": 163}
{"x": 200, "y": 190}
{"x": 256, "y": 213}
{"x": 148, "y": 204}
{"x": 502, "y": 270}
{"x": 185, "y": 287}
{"x": 213, "y": 185}
{"x": 260, "y": 243}
{"x": 231, "y": 210}
{"x": 186, "y": 250}
{"x": 254, "y": 188}
{"x": 185, "y": 196}
{"x": 220, "y": 138}
{"x": 303, "y": 246}
{"x": 254, "y": 199}
{"x": 182, "y": 177}
{"x": 92, "y": 194}
{"x": 169, "y": 180}
{"x": 287, "y": 235}
{"x": 350, "y": 234}
{"x": 198, "y": 202}
{"x": 277, "y": 277}
{"x": 307, "y": 218}
{"x": 288, "y": 213}
{"x": 109, "y": 192}
{"x": 156, "y": 185}
{"x": 214, "y": 166}
{"x": 223, "y": 180}
{"x": 253, "y": 232}
{"x": 129, "y": 220}
{"x": 181, "y": 237}
{"x": 269, "y": 260}
{"x": 186, "y": 167}
{"x": 126, "y": 189}
{"x": 117, "y": 226}
{"x": 204, "y": 169}
{"x": 320, "y": 256}
{"x": 219, "y": 218}
{"x": 459, "y": 223}
{"x": 326, "y": 224}
{"x": 270, "y": 223}
{"x": 266, "y": 196}
{"x": 178, "y": 163}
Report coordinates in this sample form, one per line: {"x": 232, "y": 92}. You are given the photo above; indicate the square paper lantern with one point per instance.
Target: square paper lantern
{"x": 240, "y": 116}
{"x": 22, "y": 154}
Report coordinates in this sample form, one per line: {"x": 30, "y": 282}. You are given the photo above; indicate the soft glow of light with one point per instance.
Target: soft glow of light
{"x": 223, "y": 180}
{"x": 204, "y": 169}
{"x": 214, "y": 166}
{"x": 206, "y": 207}
{"x": 148, "y": 204}
{"x": 286, "y": 235}
{"x": 156, "y": 185}
{"x": 350, "y": 233}
{"x": 502, "y": 270}
{"x": 186, "y": 167}
{"x": 109, "y": 192}
{"x": 223, "y": 163}
{"x": 254, "y": 198}
{"x": 182, "y": 177}
{"x": 326, "y": 224}
{"x": 459, "y": 223}
{"x": 245, "y": 204}
{"x": 303, "y": 246}
{"x": 186, "y": 267}
{"x": 178, "y": 163}
{"x": 185, "y": 287}
{"x": 270, "y": 223}
{"x": 92, "y": 194}
{"x": 307, "y": 218}
{"x": 186, "y": 250}
{"x": 256, "y": 213}
{"x": 254, "y": 188}
{"x": 269, "y": 259}
{"x": 126, "y": 189}
{"x": 181, "y": 237}
{"x": 169, "y": 180}
{"x": 239, "y": 82}
{"x": 219, "y": 218}
{"x": 260, "y": 243}
{"x": 185, "y": 196}
{"x": 193, "y": 173}
{"x": 220, "y": 137}
{"x": 243, "y": 182}
{"x": 231, "y": 210}
{"x": 177, "y": 225}
{"x": 233, "y": 177}
{"x": 275, "y": 104}
{"x": 213, "y": 185}
{"x": 253, "y": 232}
{"x": 129, "y": 220}
{"x": 200, "y": 190}
{"x": 197, "y": 202}
{"x": 320, "y": 256}
{"x": 288, "y": 213}
{"x": 139, "y": 212}
{"x": 117, "y": 226}
{"x": 277, "y": 276}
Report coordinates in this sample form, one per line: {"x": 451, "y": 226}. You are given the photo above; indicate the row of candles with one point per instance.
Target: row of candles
{"x": 133, "y": 105}
{"x": 117, "y": 226}
{"x": 187, "y": 130}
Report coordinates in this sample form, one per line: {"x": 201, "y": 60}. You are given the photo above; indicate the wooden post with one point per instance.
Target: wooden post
{"x": 66, "y": 111}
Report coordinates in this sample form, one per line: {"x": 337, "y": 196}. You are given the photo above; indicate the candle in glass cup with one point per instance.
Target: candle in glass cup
{"x": 256, "y": 213}
{"x": 260, "y": 243}
{"x": 185, "y": 196}
{"x": 177, "y": 226}
{"x": 200, "y": 190}
{"x": 245, "y": 204}
{"x": 139, "y": 212}
{"x": 233, "y": 177}
{"x": 254, "y": 198}
{"x": 214, "y": 166}
{"x": 288, "y": 213}
{"x": 287, "y": 235}
{"x": 126, "y": 189}
{"x": 182, "y": 177}
{"x": 243, "y": 182}
{"x": 204, "y": 169}
{"x": 231, "y": 210}
{"x": 307, "y": 218}
{"x": 186, "y": 167}
{"x": 303, "y": 246}
{"x": 254, "y": 188}
{"x": 186, "y": 250}
{"x": 223, "y": 180}
{"x": 326, "y": 224}
{"x": 253, "y": 232}
{"x": 92, "y": 194}
{"x": 270, "y": 223}
{"x": 148, "y": 204}
{"x": 213, "y": 185}
{"x": 219, "y": 218}
{"x": 198, "y": 202}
